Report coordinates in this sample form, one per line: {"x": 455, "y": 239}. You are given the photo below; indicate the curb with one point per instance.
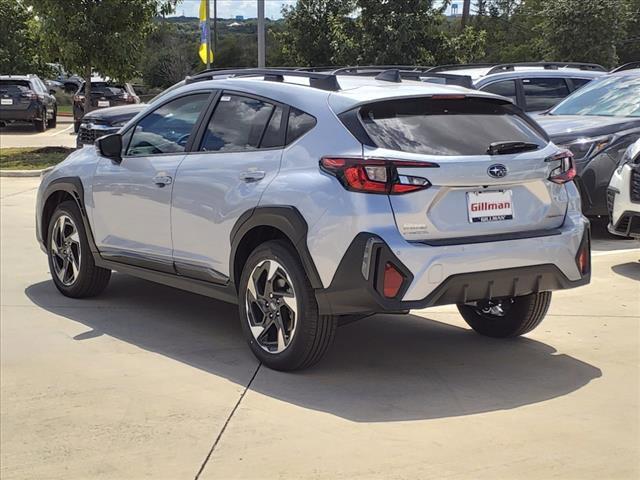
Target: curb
{"x": 24, "y": 173}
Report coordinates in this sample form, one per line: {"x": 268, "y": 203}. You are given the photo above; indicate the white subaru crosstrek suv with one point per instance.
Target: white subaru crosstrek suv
{"x": 623, "y": 195}
{"x": 311, "y": 199}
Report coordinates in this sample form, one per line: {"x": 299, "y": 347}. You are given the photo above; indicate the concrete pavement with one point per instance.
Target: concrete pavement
{"x": 150, "y": 382}
{"x": 24, "y": 135}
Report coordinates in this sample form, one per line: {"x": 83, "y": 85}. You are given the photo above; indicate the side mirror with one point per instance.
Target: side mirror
{"x": 110, "y": 146}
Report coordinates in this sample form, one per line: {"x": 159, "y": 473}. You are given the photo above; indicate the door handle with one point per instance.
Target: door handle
{"x": 162, "y": 180}
{"x": 252, "y": 175}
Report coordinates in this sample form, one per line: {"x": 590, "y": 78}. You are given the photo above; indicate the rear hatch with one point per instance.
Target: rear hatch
{"x": 492, "y": 167}
{"x": 16, "y": 95}
{"x": 108, "y": 95}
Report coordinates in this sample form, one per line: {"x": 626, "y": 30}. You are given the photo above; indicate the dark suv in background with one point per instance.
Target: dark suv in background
{"x": 104, "y": 93}
{"x": 25, "y": 98}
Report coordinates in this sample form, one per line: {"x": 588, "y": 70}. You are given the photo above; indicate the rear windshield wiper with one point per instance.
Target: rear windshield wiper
{"x": 501, "y": 148}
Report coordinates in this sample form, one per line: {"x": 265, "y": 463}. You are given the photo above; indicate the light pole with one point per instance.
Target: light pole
{"x": 261, "y": 36}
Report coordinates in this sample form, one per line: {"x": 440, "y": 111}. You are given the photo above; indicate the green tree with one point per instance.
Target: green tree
{"x": 21, "y": 49}
{"x": 310, "y": 24}
{"x": 105, "y": 36}
{"x": 401, "y": 31}
{"x": 585, "y": 30}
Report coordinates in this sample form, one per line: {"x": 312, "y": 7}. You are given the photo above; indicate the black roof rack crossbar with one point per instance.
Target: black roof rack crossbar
{"x": 320, "y": 80}
{"x": 509, "y": 67}
{"x": 397, "y": 74}
{"x": 626, "y": 66}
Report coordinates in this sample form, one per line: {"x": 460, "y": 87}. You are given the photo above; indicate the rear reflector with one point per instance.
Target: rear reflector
{"x": 373, "y": 175}
{"x": 583, "y": 257}
{"x": 392, "y": 281}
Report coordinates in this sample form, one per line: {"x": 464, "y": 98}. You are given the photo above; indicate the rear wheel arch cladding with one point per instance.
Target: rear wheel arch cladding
{"x": 290, "y": 225}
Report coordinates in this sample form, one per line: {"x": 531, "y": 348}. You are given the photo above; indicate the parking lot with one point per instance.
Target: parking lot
{"x": 149, "y": 382}
{"x": 24, "y": 135}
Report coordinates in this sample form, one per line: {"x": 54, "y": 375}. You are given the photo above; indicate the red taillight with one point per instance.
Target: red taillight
{"x": 392, "y": 281}
{"x": 375, "y": 175}
{"x": 566, "y": 171}
{"x": 30, "y": 95}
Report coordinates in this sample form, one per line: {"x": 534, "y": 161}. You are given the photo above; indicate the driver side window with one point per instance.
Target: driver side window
{"x": 167, "y": 129}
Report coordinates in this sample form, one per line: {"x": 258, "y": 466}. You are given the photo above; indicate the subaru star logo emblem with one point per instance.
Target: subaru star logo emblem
{"x": 497, "y": 170}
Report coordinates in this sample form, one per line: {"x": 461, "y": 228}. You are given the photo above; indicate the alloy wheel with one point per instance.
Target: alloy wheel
{"x": 65, "y": 250}
{"x": 271, "y": 305}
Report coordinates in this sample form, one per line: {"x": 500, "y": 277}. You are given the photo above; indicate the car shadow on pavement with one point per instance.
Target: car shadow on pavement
{"x": 630, "y": 270}
{"x": 380, "y": 369}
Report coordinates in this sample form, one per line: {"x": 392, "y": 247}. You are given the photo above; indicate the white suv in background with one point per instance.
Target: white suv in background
{"x": 623, "y": 195}
{"x": 309, "y": 198}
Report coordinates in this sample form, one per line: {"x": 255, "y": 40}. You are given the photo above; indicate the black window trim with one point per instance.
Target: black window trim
{"x": 199, "y": 137}
{"x": 212, "y": 96}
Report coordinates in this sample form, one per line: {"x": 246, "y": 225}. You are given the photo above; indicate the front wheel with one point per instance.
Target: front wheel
{"x": 70, "y": 260}
{"x": 279, "y": 312}
{"x": 507, "y": 317}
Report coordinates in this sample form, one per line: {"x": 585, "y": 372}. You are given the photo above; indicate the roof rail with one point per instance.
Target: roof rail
{"x": 460, "y": 66}
{"x": 396, "y": 74}
{"x": 626, "y": 66}
{"x": 320, "y": 80}
{"x": 509, "y": 67}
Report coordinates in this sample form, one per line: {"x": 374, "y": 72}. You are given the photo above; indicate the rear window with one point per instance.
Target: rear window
{"x": 447, "y": 126}
{"x": 15, "y": 86}
{"x": 105, "y": 88}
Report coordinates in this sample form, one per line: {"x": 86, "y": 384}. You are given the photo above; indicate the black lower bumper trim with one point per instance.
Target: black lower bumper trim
{"x": 349, "y": 292}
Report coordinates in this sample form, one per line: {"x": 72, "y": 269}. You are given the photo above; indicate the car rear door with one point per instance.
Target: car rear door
{"x": 238, "y": 154}
{"x": 132, "y": 199}
{"x": 473, "y": 193}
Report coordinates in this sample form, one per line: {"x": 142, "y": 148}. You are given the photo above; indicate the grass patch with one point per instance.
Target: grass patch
{"x": 32, "y": 158}
{"x": 65, "y": 109}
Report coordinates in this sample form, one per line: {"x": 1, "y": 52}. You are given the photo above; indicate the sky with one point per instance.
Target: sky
{"x": 246, "y": 8}
{"x": 231, "y": 8}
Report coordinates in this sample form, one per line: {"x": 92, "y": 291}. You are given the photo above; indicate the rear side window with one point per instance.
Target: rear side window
{"x": 299, "y": 124}
{"x": 237, "y": 124}
{"x": 579, "y": 82}
{"x": 167, "y": 129}
{"x": 543, "y": 93}
{"x": 447, "y": 127}
{"x": 506, "y": 88}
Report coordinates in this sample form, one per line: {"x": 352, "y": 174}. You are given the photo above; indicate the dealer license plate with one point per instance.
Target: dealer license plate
{"x": 492, "y": 206}
{"x": 103, "y": 103}
{"x": 6, "y": 101}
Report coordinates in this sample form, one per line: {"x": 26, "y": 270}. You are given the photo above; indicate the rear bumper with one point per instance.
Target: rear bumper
{"x": 441, "y": 275}
{"x": 20, "y": 115}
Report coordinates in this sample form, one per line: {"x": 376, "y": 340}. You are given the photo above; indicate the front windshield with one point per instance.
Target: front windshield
{"x": 610, "y": 97}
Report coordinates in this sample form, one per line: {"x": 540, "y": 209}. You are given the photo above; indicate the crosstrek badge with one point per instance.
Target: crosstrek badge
{"x": 492, "y": 206}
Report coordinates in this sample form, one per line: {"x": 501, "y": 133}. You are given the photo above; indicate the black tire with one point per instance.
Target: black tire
{"x": 520, "y": 315}
{"x": 41, "y": 125}
{"x": 76, "y": 126}
{"x": 314, "y": 333}
{"x": 91, "y": 280}
{"x": 53, "y": 121}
